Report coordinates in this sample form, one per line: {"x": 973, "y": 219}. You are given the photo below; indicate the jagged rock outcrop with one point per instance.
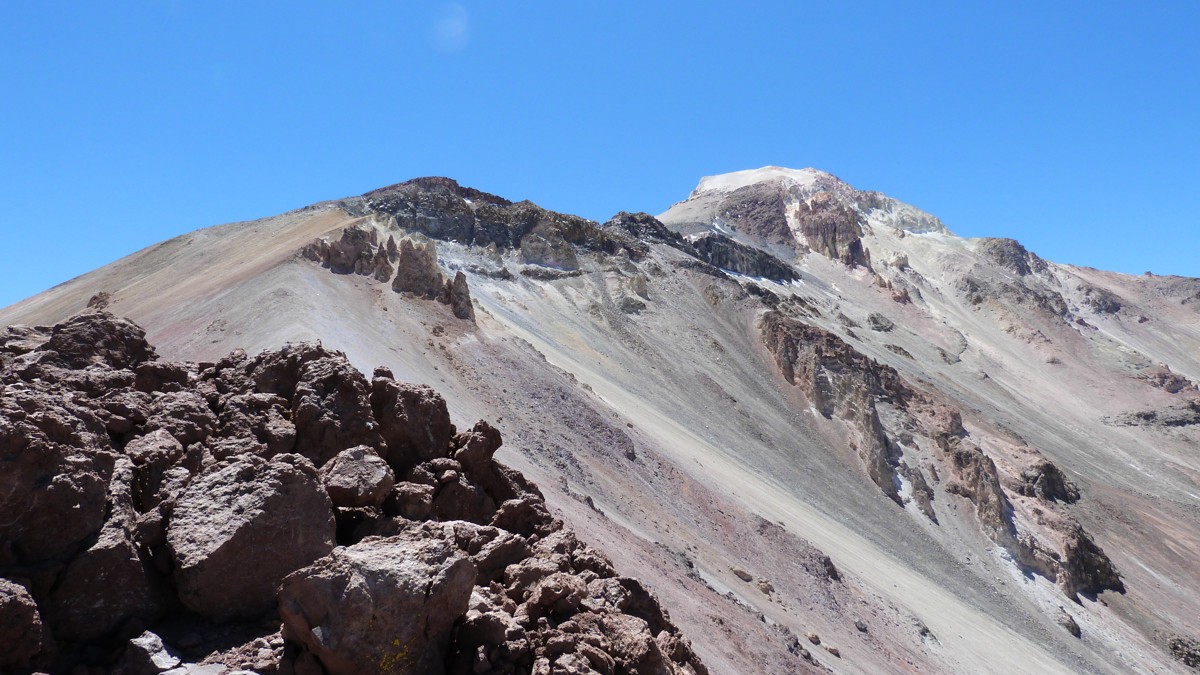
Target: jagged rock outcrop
{"x": 1033, "y": 295}
{"x": 880, "y": 323}
{"x": 840, "y": 381}
{"x": 440, "y": 208}
{"x": 1101, "y": 300}
{"x": 979, "y": 481}
{"x": 832, "y": 229}
{"x": 1161, "y": 377}
{"x": 155, "y": 509}
{"x": 1046, "y": 481}
{"x": 644, "y": 227}
{"x": 1011, "y": 255}
{"x": 410, "y": 267}
{"x": 725, "y": 253}
{"x": 1184, "y": 415}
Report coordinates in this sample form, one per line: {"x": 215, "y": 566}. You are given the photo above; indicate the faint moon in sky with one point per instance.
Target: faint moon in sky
{"x": 451, "y": 30}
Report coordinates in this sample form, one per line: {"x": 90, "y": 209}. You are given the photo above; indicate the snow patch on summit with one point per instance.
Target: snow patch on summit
{"x": 728, "y": 182}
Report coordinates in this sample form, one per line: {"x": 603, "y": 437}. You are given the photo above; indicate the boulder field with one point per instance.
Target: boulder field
{"x": 281, "y": 513}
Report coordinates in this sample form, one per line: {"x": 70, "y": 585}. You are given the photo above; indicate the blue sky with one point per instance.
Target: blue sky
{"x": 1072, "y": 126}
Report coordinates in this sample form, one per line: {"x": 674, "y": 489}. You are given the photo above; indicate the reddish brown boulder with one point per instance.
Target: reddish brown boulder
{"x": 21, "y": 632}
{"x": 107, "y": 584}
{"x": 357, "y": 477}
{"x": 185, "y": 415}
{"x": 57, "y": 460}
{"x": 413, "y": 420}
{"x": 243, "y": 525}
{"x": 330, "y": 409}
{"x": 99, "y": 338}
{"x": 382, "y": 605}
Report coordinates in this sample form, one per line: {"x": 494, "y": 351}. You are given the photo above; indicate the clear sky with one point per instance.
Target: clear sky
{"x": 1072, "y": 126}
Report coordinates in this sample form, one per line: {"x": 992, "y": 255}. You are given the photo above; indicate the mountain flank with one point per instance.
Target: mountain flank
{"x": 823, "y": 432}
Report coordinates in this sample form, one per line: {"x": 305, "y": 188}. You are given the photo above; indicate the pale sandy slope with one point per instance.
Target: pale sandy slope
{"x": 723, "y": 450}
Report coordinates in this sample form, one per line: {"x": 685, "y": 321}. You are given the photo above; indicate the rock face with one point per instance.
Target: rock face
{"x": 832, "y": 229}
{"x": 1012, "y": 256}
{"x": 199, "y": 500}
{"x": 840, "y": 381}
{"x": 725, "y": 253}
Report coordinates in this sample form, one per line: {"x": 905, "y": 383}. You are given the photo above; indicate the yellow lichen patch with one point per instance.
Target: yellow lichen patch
{"x": 390, "y": 663}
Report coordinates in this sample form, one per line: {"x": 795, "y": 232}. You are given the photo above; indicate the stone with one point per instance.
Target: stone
{"x": 1085, "y": 567}
{"x": 1185, "y": 650}
{"x": 21, "y": 630}
{"x": 57, "y": 460}
{"x": 413, "y": 420}
{"x": 1068, "y": 623}
{"x": 381, "y": 605}
{"x": 108, "y": 584}
{"x": 1047, "y": 482}
{"x": 357, "y": 477}
{"x": 880, "y": 323}
{"x": 460, "y": 297}
{"x": 146, "y": 655}
{"x": 185, "y": 415}
{"x": 1010, "y": 255}
{"x": 97, "y": 337}
{"x": 331, "y": 410}
{"x": 241, "y": 526}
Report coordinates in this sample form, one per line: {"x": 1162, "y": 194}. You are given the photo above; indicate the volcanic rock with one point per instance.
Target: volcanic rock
{"x": 1185, "y": 650}
{"x": 146, "y": 655}
{"x": 413, "y": 420}
{"x": 1011, "y": 255}
{"x": 839, "y": 380}
{"x": 832, "y": 229}
{"x": 201, "y": 486}
{"x": 880, "y": 323}
{"x": 330, "y": 409}
{"x": 357, "y": 477}
{"x": 417, "y": 270}
{"x": 57, "y": 460}
{"x": 99, "y": 338}
{"x": 21, "y": 630}
{"x": 1046, "y": 481}
{"x": 108, "y": 583}
{"x": 1086, "y": 569}
{"x": 381, "y": 605}
{"x": 274, "y": 513}
{"x": 725, "y": 253}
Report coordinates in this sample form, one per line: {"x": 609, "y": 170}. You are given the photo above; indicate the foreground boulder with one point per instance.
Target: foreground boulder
{"x": 243, "y": 525}
{"x": 158, "y": 516}
{"x": 382, "y": 605}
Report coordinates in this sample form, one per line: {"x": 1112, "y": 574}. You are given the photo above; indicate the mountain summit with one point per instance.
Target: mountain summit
{"x": 820, "y": 430}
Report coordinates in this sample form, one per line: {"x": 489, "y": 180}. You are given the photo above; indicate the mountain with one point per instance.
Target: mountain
{"x": 827, "y": 433}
